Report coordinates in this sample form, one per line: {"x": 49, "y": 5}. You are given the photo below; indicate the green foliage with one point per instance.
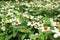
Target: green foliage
{"x": 14, "y": 17}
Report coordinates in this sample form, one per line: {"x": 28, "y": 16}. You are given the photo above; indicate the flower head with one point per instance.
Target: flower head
{"x": 46, "y": 28}
{"x": 3, "y": 28}
{"x": 31, "y": 24}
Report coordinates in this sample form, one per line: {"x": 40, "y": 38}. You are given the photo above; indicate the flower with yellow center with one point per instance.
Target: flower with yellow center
{"x": 30, "y": 17}
{"x": 25, "y": 28}
{"x": 57, "y": 32}
{"x": 36, "y": 18}
{"x": 51, "y": 20}
{"x": 3, "y": 28}
{"x": 45, "y": 28}
{"x": 40, "y": 24}
{"x": 17, "y": 22}
{"x": 58, "y": 16}
{"x": 57, "y": 24}
{"x": 30, "y": 24}
{"x": 37, "y": 27}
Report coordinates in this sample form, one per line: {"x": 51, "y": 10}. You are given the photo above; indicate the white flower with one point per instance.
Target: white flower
{"x": 46, "y": 28}
{"x": 12, "y": 6}
{"x": 57, "y": 32}
{"x": 17, "y": 22}
{"x": 40, "y": 16}
{"x": 58, "y": 15}
{"x": 48, "y": 6}
{"x": 47, "y": 0}
{"x": 30, "y": 24}
{"x": 10, "y": 14}
{"x": 8, "y": 21}
{"x": 3, "y": 28}
{"x": 55, "y": 36}
{"x": 27, "y": 39}
{"x": 28, "y": 5}
{"x": 13, "y": 19}
{"x": 25, "y": 14}
{"x": 40, "y": 24}
{"x": 36, "y": 18}
{"x": 51, "y": 20}
{"x": 0, "y": 14}
{"x": 53, "y": 24}
{"x": 30, "y": 17}
{"x": 37, "y": 27}
{"x": 36, "y": 33}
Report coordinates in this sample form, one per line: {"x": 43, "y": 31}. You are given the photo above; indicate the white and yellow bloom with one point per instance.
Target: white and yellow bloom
{"x": 17, "y": 22}
{"x": 30, "y": 17}
{"x": 3, "y": 28}
{"x": 51, "y": 20}
{"x": 36, "y": 18}
{"x": 40, "y": 24}
{"x": 30, "y": 24}
{"x": 57, "y": 32}
{"x": 36, "y": 34}
{"x": 37, "y": 27}
{"x": 9, "y": 20}
{"x": 58, "y": 15}
{"x": 46, "y": 28}
{"x": 55, "y": 24}
{"x": 40, "y": 16}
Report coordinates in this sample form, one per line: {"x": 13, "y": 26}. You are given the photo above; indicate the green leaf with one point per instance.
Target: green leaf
{"x": 23, "y": 36}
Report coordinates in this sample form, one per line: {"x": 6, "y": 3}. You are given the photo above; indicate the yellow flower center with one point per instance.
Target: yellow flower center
{"x": 40, "y": 22}
{"x": 25, "y": 28}
{"x": 16, "y": 22}
{"x": 59, "y": 30}
{"x": 29, "y": 16}
{"x": 32, "y": 22}
{"x": 45, "y": 28}
{"x": 37, "y": 26}
{"x": 57, "y": 24}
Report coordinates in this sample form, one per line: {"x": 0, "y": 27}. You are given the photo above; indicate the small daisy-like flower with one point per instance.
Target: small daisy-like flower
{"x": 55, "y": 24}
{"x": 3, "y": 28}
{"x": 10, "y": 14}
{"x": 30, "y": 17}
{"x": 25, "y": 28}
{"x": 57, "y": 32}
{"x": 9, "y": 21}
{"x": 30, "y": 24}
{"x": 0, "y": 14}
{"x": 27, "y": 39}
{"x": 14, "y": 19}
{"x": 55, "y": 35}
{"x": 25, "y": 14}
{"x": 58, "y": 15}
{"x": 46, "y": 28}
{"x": 36, "y": 18}
{"x": 40, "y": 16}
{"x": 40, "y": 24}
{"x": 17, "y": 22}
{"x": 36, "y": 33}
{"x": 37, "y": 27}
{"x": 51, "y": 20}
{"x": 27, "y": 4}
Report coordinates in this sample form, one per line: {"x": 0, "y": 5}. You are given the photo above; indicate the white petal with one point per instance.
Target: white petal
{"x": 3, "y": 28}
{"x": 55, "y": 35}
{"x": 55, "y": 28}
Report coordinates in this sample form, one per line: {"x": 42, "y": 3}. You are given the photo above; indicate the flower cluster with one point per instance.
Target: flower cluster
{"x": 34, "y": 20}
